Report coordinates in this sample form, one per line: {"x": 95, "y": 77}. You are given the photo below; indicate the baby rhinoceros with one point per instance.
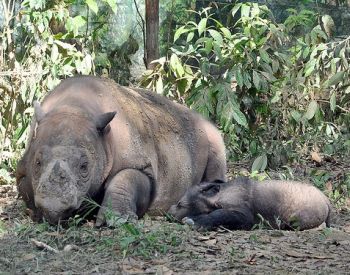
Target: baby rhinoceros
{"x": 237, "y": 205}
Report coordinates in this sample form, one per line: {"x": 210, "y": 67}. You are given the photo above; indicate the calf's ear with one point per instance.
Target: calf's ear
{"x": 103, "y": 120}
{"x": 211, "y": 189}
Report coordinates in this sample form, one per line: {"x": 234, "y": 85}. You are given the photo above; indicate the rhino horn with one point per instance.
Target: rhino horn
{"x": 38, "y": 111}
{"x": 103, "y": 120}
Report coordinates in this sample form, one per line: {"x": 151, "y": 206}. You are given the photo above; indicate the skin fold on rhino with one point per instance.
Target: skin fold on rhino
{"x": 130, "y": 150}
{"x": 236, "y": 205}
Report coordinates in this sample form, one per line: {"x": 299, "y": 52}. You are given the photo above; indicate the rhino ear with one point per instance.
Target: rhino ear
{"x": 103, "y": 120}
{"x": 38, "y": 111}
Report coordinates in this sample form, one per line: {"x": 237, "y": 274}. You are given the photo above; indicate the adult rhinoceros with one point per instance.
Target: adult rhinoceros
{"x": 128, "y": 149}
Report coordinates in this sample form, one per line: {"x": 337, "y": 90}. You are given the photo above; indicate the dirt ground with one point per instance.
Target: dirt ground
{"x": 156, "y": 246}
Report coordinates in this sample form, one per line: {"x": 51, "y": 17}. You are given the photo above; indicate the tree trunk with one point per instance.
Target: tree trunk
{"x": 152, "y": 32}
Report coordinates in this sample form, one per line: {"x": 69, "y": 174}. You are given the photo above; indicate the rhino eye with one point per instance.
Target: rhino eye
{"x": 37, "y": 166}
{"x": 83, "y": 168}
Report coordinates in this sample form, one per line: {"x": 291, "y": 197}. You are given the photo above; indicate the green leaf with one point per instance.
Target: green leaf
{"x": 235, "y": 9}
{"x": 311, "y": 110}
{"x": 37, "y": 4}
{"x": 269, "y": 76}
{"x": 306, "y": 52}
{"x": 85, "y": 66}
{"x": 265, "y": 56}
{"x": 276, "y": 97}
{"x": 238, "y": 116}
{"x": 296, "y": 115}
{"x": 247, "y": 79}
{"x": 202, "y": 40}
{"x": 256, "y": 80}
{"x": 226, "y": 32}
{"x": 131, "y": 228}
{"x": 159, "y": 86}
{"x": 310, "y": 67}
{"x": 180, "y": 31}
{"x": 208, "y": 46}
{"x": 260, "y": 163}
{"x": 54, "y": 53}
{"x": 183, "y": 84}
{"x": 176, "y": 66}
{"x": 190, "y": 37}
{"x": 239, "y": 78}
{"x": 73, "y": 24}
{"x": 202, "y": 25}
{"x": 275, "y": 65}
{"x": 333, "y": 102}
{"x": 64, "y": 45}
{"x": 216, "y": 35}
{"x": 336, "y": 78}
{"x": 92, "y": 4}
{"x": 217, "y": 49}
{"x": 113, "y": 5}
{"x": 245, "y": 10}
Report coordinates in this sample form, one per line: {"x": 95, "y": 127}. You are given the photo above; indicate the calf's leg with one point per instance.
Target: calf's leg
{"x": 241, "y": 219}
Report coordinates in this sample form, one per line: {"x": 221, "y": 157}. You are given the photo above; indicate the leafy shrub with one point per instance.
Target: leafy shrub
{"x": 42, "y": 43}
{"x": 264, "y": 83}
{"x": 225, "y": 74}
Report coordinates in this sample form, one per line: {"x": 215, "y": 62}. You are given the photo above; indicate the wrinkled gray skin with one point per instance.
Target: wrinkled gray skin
{"x": 131, "y": 150}
{"x": 236, "y": 205}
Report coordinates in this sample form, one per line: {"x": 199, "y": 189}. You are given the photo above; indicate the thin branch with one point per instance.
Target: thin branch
{"x": 169, "y": 26}
{"x": 44, "y": 246}
{"x": 341, "y": 108}
{"x": 87, "y": 24}
{"x": 143, "y": 33}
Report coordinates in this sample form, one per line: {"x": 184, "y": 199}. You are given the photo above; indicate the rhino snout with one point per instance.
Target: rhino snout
{"x": 54, "y": 209}
{"x": 172, "y": 210}
{"x": 177, "y": 212}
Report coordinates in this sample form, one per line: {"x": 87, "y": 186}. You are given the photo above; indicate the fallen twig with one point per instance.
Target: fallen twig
{"x": 44, "y": 246}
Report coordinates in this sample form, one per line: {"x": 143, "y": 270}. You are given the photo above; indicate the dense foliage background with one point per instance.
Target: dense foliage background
{"x": 279, "y": 91}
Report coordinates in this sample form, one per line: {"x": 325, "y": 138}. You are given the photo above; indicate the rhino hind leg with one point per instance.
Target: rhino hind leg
{"x": 128, "y": 194}
{"x": 241, "y": 219}
{"x": 306, "y": 219}
{"x": 216, "y": 165}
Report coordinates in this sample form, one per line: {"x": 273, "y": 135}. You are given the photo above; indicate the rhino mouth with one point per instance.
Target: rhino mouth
{"x": 57, "y": 217}
{"x": 55, "y": 210}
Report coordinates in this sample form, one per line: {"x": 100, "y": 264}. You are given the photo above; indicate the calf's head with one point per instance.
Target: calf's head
{"x": 198, "y": 199}
{"x": 68, "y": 159}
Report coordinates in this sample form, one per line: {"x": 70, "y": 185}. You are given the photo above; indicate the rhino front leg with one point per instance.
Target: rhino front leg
{"x": 128, "y": 193}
